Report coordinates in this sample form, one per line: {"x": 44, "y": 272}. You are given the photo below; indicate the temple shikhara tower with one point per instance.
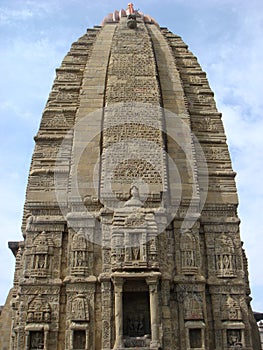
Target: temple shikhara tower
{"x": 130, "y": 227}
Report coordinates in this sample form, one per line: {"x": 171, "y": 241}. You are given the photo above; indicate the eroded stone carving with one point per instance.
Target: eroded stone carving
{"x": 79, "y": 309}
{"x": 225, "y": 257}
{"x": 42, "y": 253}
{"x": 39, "y": 311}
{"x": 188, "y": 248}
{"x": 193, "y": 307}
{"x": 234, "y": 338}
{"x": 79, "y": 254}
{"x": 134, "y": 235}
{"x": 36, "y": 340}
{"x": 57, "y": 121}
{"x": 131, "y": 21}
{"x": 231, "y": 309}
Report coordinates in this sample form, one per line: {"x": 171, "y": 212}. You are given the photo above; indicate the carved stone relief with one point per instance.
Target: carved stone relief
{"x": 225, "y": 257}
{"x": 231, "y": 309}
{"x": 42, "y": 182}
{"x": 80, "y": 309}
{"x": 42, "y": 255}
{"x": 39, "y": 311}
{"x": 189, "y": 62}
{"x": 134, "y": 235}
{"x": 193, "y": 306}
{"x": 188, "y": 247}
{"x": 234, "y": 339}
{"x": 80, "y": 254}
{"x": 195, "y": 79}
{"x": 36, "y": 340}
{"x": 57, "y": 121}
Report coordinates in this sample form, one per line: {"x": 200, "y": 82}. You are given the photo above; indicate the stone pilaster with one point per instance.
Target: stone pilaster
{"x": 154, "y": 311}
{"x": 118, "y": 291}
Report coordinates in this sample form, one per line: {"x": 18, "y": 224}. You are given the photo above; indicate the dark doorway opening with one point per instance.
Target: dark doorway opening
{"x": 79, "y": 340}
{"x": 36, "y": 340}
{"x": 136, "y": 314}
{"x": 195, "y": 338}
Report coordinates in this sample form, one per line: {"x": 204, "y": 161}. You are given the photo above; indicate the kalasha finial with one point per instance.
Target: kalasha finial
{"x": 131, "y": 16}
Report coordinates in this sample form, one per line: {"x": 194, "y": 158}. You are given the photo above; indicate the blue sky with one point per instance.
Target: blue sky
{"x": 225, "y": 35}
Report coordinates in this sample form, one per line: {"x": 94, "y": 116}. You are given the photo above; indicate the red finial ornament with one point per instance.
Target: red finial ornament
{"x": 130, "y": 9}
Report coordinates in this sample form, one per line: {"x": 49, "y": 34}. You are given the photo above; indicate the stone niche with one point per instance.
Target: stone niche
{"x": 225, "y": 257}
{"x": 233, "y": 327}
{"x": 38, "y": 319}
{"x": 195, "y": 335}
{"x": 233, "y": 335}
{"x": 36, "y": 340}
{"x": 41, "y": 252}
{"x": 134, "y": 236}
{"x": 78, "y": 321}
{"x": 189, "y": 248}
{"x": 79, "y": 254}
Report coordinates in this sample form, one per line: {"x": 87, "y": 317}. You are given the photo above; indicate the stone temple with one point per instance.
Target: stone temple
{"x": 130, "y": 227}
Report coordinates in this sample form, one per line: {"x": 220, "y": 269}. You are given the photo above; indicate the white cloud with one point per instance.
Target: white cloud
{"x": 8, "y": 16}
{"x": 26, "y": 10}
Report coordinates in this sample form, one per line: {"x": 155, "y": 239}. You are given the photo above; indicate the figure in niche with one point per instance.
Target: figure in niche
{"x": 135, "y": 246}
{"x": 41, "y": 261}
{"x": 227, "y": 262}
{"x": 234, "y": 338}
{"x": 130, "y": 326}
{"x": 119, "y": 254}
{"x": 141, "y": 325}
{"x": 80, "y": 258}
{"x": 42, "y": 249}
{"x": 225, "y": 257}
{"x": 136, "y": 325}
{"x": 79, "y": 247}
{"x": 47, "y": 317}
{"x": 36, "y": 340}
{"x": 153, "y": 250}
{"x": 189, "y": 258}
{"x": 188, "y": 247}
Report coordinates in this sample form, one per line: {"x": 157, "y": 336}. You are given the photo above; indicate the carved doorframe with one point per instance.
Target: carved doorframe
{"x": 152, "y": 281}
{"x": 75, "y": 326}
{"x": 195, "y": 325}
{"x": 37, "y": 327}
{"x": 228, "y": 325}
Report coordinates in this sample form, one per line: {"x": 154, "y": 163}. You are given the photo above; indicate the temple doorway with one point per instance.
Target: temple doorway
{"x": 136, "y": 314}
{"x": 36, "y": 340}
